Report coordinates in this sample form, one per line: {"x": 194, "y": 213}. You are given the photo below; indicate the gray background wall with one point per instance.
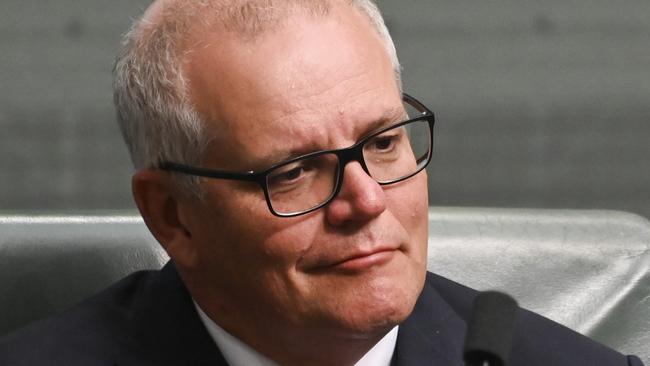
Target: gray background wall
{"x": 539, "y": 103}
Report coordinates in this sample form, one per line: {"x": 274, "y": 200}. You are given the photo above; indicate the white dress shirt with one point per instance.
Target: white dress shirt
{"x": 238, "y": 353}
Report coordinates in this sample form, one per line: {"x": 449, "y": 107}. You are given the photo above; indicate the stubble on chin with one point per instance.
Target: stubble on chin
{"x": 374, "y": 306}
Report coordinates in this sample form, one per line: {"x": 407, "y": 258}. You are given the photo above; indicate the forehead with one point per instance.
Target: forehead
{"x": 313, "y": 83}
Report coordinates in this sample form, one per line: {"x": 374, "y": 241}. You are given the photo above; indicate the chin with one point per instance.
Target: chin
{"x": 381, "y": 305}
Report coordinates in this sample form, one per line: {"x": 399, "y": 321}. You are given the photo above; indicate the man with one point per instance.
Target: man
{"x": 281, "y": 168}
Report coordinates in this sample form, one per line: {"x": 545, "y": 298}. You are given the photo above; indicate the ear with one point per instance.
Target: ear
{"x": 161, "y": 205}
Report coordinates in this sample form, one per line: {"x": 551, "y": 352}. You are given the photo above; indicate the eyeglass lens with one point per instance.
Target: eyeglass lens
{"x": 394, "y": 154}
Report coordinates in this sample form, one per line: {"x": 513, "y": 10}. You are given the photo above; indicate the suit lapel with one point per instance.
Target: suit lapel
{"x": 166, "y": 328}
{"x": 432, "y": 335}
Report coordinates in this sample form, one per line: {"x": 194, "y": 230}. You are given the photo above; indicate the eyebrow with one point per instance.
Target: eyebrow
{"x": 389, "y": 117}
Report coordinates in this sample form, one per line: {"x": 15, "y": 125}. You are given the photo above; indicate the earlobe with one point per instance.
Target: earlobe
{"x": 160, "y": 203}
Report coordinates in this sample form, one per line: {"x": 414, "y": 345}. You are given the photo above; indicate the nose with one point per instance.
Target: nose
{"x": 360, "y": 198}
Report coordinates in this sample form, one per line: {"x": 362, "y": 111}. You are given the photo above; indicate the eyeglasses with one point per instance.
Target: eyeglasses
{"x": 306, "y": 183}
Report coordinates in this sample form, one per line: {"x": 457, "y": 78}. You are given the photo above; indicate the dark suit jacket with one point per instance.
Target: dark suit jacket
{"x": 148, "y": 319}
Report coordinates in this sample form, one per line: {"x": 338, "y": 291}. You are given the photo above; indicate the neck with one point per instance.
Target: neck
{"x": 304, "y": 346}
{"x": 282, "y": 340}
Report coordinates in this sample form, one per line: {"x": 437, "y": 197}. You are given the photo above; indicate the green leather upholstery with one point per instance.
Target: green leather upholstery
{"x": 48, "y": 263}
{"x": 586, "y": 269}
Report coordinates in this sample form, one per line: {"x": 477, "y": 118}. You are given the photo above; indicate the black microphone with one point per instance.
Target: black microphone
{"x": 490, "y": 329}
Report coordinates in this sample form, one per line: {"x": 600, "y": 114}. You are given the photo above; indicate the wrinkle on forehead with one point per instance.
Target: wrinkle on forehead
{"x": 307, "y": 131}
{"x": 296, "y": 90}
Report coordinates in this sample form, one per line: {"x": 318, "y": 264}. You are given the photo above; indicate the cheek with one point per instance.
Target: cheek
{"x": 409, "y": 203}
{"x": 261, "y": 258}
{"x": 242, "y": 233}
{"x": 224, "y": 236}
{"x": 245, "y": 251}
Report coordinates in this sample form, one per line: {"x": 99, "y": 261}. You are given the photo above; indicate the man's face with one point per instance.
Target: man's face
{"x": 354, "y": 267}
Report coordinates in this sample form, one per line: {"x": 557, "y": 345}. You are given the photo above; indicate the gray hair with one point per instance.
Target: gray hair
{"x": 156, "y": 116}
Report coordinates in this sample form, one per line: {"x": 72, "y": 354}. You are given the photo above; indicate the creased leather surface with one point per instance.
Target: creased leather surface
{"x": 48, "y": 263}
{"x": 588, "y": 270}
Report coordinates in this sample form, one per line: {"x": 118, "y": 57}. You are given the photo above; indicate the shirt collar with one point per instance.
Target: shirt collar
{"x": 238, "y": 353}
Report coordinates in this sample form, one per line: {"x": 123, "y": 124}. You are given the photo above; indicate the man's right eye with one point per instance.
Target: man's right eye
{"x": 287, "y": 175}
{"x": 292, "y": 174}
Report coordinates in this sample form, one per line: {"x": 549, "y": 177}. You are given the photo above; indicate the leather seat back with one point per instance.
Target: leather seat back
{"x": 48, "y": 263}
{"x": 588, "y": 270}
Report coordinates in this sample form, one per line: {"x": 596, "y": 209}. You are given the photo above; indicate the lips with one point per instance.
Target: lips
{"x": 365, "y": 261}
{"x": 356, "y": 261}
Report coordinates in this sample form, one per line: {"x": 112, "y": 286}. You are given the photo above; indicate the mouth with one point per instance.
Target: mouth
{"x": 360, "y": 262}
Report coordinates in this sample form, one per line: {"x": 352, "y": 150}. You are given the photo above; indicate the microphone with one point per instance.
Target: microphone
{"x": 490, "y": 330}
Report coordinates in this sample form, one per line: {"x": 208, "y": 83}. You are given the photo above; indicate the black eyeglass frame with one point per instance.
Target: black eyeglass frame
{"x": 344, "y": 155}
